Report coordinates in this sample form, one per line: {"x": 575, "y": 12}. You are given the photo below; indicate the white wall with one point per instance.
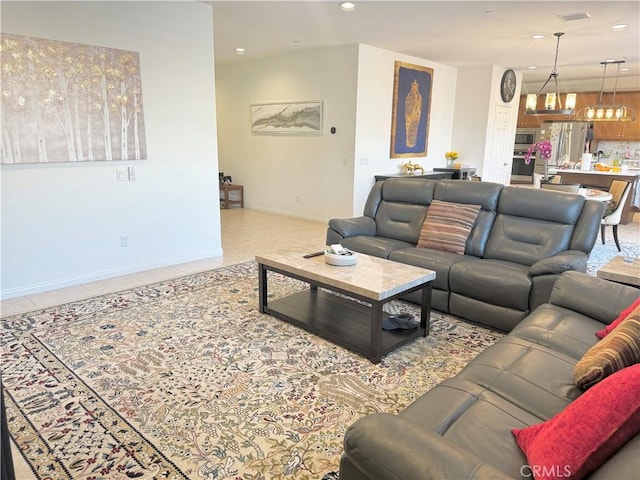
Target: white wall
{"x": 307, "y": 176}
{"x": 373, "y": 121}
{"x": 477, "y": 94}
{"x": 61, "y": 223}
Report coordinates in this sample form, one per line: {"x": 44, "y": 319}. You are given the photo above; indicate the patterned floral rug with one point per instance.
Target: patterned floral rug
{"x": 186, "y": 379}
{"x": 601, "y": 254}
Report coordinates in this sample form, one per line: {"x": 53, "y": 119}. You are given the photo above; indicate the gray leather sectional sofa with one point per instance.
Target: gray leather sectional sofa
{"x": 462, "y": 427}
{"x": 522, "y": 240}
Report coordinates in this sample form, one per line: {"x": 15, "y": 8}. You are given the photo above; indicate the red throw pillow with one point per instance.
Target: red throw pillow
{"x": 579, "y": 439}
{"x": 624, "y": 314}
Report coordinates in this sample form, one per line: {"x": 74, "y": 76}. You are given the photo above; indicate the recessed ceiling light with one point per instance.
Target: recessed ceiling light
{"x": 619, "y": 26}
{"x": 537, "y": 36}
{"x": 532, "y": 67}
{"x": 347, "y": 6}
{"x": 240, "y": 51}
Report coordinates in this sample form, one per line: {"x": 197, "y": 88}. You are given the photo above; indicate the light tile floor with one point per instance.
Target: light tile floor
{"x": 244, "y": 233}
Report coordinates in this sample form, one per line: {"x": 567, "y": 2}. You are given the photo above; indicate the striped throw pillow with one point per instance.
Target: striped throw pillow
{"x": 619, "y": 349}
{"x": 447, "y": 226}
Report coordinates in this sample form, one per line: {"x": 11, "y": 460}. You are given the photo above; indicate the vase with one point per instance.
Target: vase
{"x": 450, "y": 162}
{"x": 412, "y": 112}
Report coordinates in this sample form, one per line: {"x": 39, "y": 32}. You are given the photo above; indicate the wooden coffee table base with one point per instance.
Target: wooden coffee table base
{"x": 342, "y": 320}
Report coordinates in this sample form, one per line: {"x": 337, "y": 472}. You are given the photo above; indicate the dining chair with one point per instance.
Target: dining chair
{"x": 619, "y": 190}
{"x": 568, "y": 188}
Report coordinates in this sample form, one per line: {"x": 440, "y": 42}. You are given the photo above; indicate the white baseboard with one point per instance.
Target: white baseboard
{"x": 101, "y": 275}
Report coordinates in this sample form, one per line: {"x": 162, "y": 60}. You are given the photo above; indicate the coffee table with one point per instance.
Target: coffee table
{"x": 621, "y": 271}
{"x": 354, "y": 318}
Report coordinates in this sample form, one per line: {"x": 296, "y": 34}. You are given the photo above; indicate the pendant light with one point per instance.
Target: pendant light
{"x": 552, "y": 102}
{"x": 607, "y": 113}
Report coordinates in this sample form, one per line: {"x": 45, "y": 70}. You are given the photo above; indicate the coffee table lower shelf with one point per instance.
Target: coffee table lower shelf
{"x": 339, "y": 320}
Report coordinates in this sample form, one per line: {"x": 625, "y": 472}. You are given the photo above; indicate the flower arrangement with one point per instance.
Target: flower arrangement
{"x": 451, "y": 155}
{"x": 543, "y": 147}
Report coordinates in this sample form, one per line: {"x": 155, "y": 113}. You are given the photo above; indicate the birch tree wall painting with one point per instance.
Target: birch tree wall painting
{"x": 68, "y": 102}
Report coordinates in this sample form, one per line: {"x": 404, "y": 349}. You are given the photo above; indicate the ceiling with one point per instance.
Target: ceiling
{"x": 457, "y": 33}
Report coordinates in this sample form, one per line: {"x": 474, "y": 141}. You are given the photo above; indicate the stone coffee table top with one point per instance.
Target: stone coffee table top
{"x": 371, "y": 277}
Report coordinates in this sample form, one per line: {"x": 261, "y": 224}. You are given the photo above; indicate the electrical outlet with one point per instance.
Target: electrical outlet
{"x": 132, "y": 174}
{"x": 124, "y": 240}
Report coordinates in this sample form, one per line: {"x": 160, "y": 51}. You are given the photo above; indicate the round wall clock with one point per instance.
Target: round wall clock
{"x": 508, "y": 86}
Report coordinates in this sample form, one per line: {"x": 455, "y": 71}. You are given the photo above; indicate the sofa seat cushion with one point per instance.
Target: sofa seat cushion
{"x": 375, "y": 246}
{"x": 495, "y": 282}
{"x": 475, "y": 420}
{"x": 436, "y": 260}
{"x": 559, "y": 329}
{"x": 533, "y": 377}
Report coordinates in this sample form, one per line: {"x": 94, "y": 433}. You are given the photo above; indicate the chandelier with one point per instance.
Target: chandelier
{"x": 607, "y": 113}
{"x": 552, "y": 102}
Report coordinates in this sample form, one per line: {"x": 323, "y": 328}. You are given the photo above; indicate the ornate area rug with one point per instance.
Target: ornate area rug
{"x": 601, "y": 254}
{"x": 186, "y": 379}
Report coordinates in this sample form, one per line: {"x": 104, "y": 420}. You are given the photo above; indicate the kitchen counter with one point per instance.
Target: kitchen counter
{"x": 601, "y": 181}
{"x": 629, "y": 173}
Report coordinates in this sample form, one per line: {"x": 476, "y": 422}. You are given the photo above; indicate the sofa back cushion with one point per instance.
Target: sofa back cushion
{"x": 533, "y": 224}
{"x": 485, "y": 194}
{"x": 403, "y": 207}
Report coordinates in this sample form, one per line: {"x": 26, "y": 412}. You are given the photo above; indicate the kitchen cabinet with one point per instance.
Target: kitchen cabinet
{"x": 621, "y": 131}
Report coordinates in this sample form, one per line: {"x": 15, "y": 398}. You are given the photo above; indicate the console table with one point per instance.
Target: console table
{"x": 458, "y": 173}
{"x": 429, "y": 175}
{"x": 225, "y": 201}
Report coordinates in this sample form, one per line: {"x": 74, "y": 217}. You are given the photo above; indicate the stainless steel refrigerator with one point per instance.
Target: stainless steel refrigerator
{"x": 569, "y": 140}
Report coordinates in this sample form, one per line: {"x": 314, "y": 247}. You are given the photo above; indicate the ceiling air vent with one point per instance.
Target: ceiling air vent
{"x": 569, "y": 17}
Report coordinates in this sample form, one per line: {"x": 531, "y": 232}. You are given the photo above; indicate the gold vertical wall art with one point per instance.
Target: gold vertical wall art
{"x": 411, "y": 107}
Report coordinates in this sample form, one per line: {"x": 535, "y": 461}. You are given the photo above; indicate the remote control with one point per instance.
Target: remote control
{"x": 316, "y": 254}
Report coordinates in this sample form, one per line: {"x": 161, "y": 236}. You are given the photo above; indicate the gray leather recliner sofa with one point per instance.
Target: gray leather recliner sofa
{"x": 462, "y": 427}
{"x": 522, "y": 240}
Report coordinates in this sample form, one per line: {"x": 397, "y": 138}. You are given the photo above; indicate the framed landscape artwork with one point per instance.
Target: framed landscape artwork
{"x": 292, "y": 118}
{"x": 69, "y": 102}
{"x": 411, "y": 107}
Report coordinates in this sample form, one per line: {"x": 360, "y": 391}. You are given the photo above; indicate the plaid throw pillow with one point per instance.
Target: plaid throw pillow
{"x": 447, "y": 226}
{"x": 619, "y": 349}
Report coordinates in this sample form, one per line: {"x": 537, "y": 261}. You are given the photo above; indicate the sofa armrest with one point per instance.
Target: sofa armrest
{"x": 596, "y": 298}
{"x": 386, "y": 447}
{"x": 351, "y": 227}
{"x": 562, "y": 262}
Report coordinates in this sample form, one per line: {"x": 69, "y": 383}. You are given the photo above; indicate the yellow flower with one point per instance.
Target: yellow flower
{"x": 451, "y": 155}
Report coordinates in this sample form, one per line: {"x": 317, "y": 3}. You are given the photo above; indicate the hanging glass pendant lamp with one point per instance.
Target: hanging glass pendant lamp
{"x": 612, "y": 112}
{"x": 552, "y": 101}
